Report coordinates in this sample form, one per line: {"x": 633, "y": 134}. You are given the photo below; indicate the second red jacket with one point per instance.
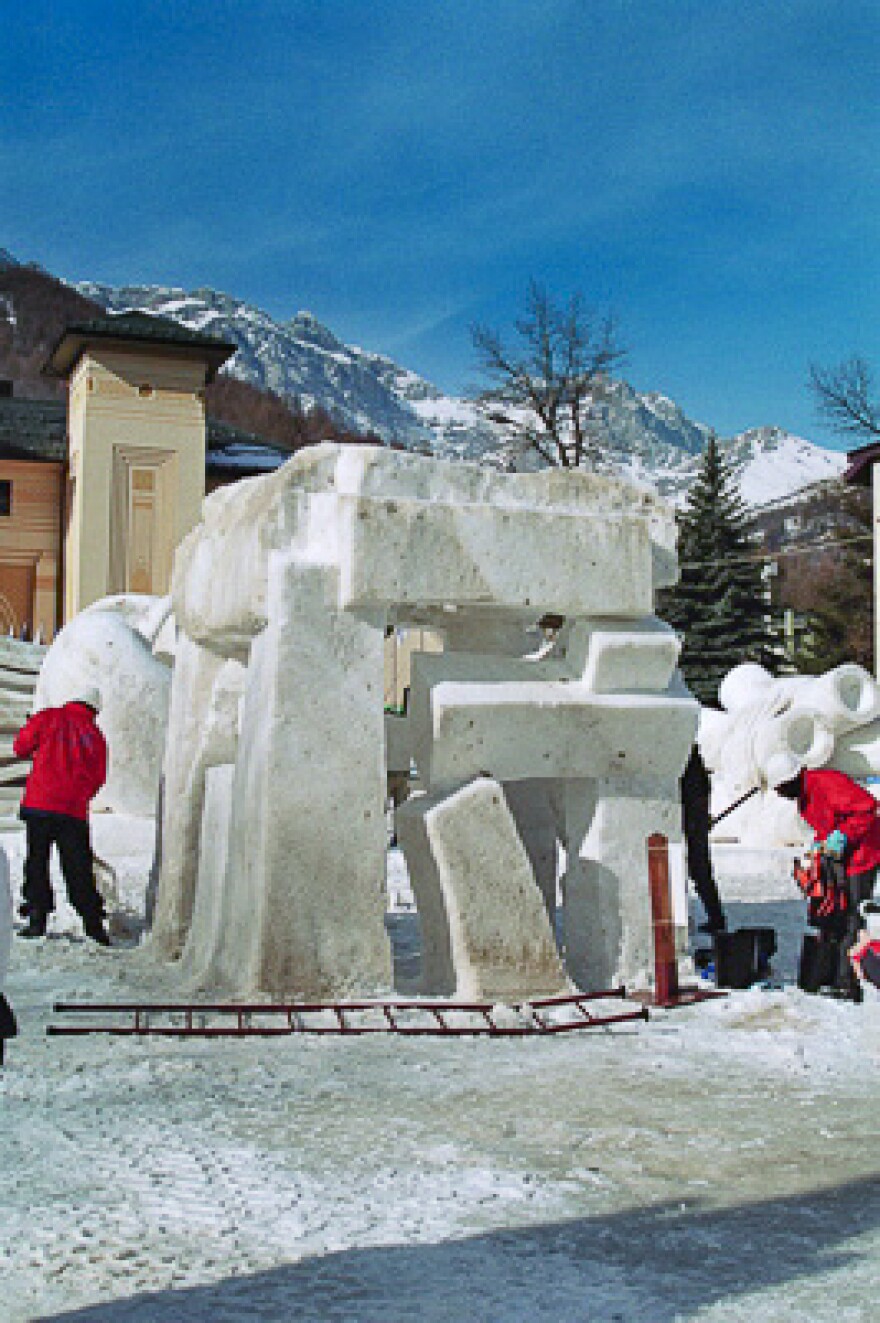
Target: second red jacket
{"x": 830, "y": 801}
{"x": 70, "y": 759}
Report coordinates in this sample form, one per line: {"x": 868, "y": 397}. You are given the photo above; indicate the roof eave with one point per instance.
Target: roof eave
{"x": 72, "y": 345}
{"x": 861, "y": 465}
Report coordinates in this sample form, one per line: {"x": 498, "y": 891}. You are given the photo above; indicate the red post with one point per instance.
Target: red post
{"x": 665, "y": 964}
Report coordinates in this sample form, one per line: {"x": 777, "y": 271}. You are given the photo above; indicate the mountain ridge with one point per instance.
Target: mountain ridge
{"x": 646, "y": 436}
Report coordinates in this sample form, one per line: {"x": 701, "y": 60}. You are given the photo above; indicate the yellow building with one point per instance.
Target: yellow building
{"x": 136, "y": 450}
{"x": 95, "y": 494}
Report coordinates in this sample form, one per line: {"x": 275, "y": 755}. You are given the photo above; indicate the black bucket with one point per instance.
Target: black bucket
{"x": 742, "y": 957}
{"x": 819, "y": 963}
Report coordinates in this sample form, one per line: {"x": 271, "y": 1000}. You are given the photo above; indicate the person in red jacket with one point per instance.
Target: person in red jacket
{"x": 845, "y": 818}
{"x": 69, "y": 756}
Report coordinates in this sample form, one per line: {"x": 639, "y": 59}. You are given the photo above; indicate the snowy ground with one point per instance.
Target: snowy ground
{"x": 717, "y": 1163}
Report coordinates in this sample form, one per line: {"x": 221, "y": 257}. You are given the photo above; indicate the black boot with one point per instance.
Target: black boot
{"x": 36, "y": 925}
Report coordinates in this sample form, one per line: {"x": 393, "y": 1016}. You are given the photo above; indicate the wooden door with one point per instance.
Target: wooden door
{"x": 16, "y": 599}
{"x": 142, "y": 521}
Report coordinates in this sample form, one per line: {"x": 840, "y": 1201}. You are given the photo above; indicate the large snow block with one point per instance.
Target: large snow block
{"x": 305, "y": 879}
{"x": 519, "y": 730}
{"x": 572, "y": 542}
{"x": 485, "y": 931}
{"x": 405, "y": 553}
{"x": 614, "y": 656}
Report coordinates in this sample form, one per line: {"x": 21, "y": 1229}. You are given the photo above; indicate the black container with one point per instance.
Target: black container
{"x": 742, "y": 957}
{"x": 819, "y": 963}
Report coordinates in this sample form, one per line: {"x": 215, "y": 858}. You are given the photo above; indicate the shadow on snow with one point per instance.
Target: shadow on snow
{"x": 656, "y": 1263}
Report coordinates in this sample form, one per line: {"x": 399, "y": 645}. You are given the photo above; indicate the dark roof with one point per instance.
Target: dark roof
{"x": 233, "y": 452}
{"x": 37, "y": 430}
{"x": 137, "y": 328}
{"x": 33, "y": 429}
{"x": 861, "y": 462}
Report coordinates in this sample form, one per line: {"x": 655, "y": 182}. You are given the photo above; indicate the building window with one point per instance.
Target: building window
{"x": 5, "y": 497}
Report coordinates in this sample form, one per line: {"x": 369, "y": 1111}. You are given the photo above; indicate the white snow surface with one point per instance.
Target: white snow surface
{"x": 782, "y": 464}
{"x": 719, "y": 1163}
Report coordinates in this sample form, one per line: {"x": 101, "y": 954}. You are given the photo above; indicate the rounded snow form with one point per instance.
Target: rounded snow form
{"x": 772, "y": 728}
{"x": 102, "y": 648}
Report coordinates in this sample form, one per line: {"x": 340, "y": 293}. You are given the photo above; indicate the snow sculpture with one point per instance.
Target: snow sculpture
{"x": 104, "y": 645}
{"x": 771, "y": 728}
{"x": 294, "y": 578}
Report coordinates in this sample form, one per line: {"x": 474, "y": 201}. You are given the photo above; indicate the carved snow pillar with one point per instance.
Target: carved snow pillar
{"x": 607, "y": 918}
{"x": 305, "y": 882}
{"x": 195, "y": 671}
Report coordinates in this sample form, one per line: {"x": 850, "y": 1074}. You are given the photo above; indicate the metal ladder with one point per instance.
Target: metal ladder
{"x": 412, "y": 1018}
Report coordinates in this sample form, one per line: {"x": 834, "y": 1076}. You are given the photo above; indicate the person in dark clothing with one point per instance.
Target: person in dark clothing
{"x": 8, "y": 1026}
{"x": 69, "y": 767}
{"x": 845, "y": 819}
{"x": 696, "y": 820}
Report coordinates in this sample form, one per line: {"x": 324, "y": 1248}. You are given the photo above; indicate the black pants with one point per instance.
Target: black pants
{"x": 71, "y": 836}
{"x": 696, "y": 820}
{"x": 825, "y": 960}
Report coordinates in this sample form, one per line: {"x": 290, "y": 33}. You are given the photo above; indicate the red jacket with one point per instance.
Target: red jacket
{"x": 831, "y": 801}
{"x": 70, "y": 759}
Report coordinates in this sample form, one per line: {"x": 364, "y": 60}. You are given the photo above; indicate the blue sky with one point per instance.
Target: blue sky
{"x": 707, "y": 170}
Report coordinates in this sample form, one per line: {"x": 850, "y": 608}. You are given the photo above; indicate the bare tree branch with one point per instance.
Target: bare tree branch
{"x": 843, "y": 397}
{"x": 560, "y": 368}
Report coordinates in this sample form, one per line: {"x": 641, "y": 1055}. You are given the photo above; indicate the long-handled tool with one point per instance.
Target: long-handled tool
{"x": 719, "y": 817}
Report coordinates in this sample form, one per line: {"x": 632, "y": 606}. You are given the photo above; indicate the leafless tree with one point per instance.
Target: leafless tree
{"x": 559, "y": 370}
{"x": 844, "y": 397}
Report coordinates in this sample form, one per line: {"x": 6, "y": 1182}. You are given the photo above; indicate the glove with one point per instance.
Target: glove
{"x": 835, "y": 844}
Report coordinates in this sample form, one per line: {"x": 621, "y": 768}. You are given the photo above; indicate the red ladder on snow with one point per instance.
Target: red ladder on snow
{"x": 416, "y": 1017}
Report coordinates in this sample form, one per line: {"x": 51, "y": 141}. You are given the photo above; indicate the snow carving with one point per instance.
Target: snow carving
{"x": 769, "y": 729}
{"x": 522, "y": 737}
{"x": 110, "y": 644}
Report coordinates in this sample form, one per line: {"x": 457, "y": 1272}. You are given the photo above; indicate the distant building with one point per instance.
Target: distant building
{"x": 96, "y": 493}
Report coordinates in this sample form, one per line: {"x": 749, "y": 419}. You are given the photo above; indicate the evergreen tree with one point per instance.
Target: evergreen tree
{"x": 840, "y": 615}
{"x": 718, "y": 606}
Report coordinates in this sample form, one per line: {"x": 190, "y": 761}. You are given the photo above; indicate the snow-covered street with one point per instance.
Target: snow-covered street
{"x": 716, "y": 1163}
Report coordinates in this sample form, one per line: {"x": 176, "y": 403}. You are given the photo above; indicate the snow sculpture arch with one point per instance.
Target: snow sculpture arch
{"x": 278, "y": 751}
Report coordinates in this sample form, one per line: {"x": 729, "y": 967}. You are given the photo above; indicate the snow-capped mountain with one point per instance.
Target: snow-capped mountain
{"x": 645, "y": 437}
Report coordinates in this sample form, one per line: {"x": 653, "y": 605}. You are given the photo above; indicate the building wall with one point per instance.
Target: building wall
{"x": 137, "y": 469}
{"x": 30, "y": 547}
{"x": 400, "y": 645}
